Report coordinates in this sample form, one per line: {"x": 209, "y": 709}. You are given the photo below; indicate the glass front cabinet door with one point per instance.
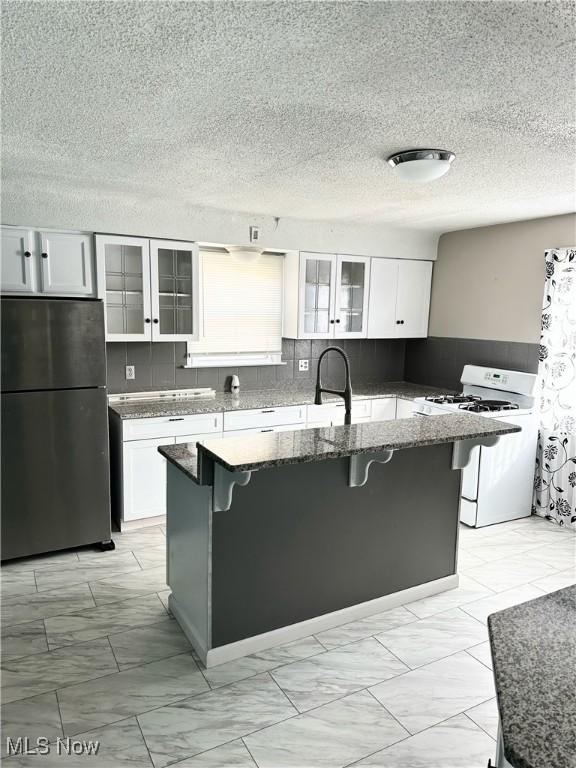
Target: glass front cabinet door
{"x": 124, "y": 267}
{"x": 351, "y": 302}
{"x": 333, "y": 296}
{"x": 316, "y": 300}
{"x": 149, "y": 288}
{"x": 174, "y": 277}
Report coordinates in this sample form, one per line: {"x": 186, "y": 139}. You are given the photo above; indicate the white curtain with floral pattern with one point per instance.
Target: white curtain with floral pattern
{"x": 555, "y": 480}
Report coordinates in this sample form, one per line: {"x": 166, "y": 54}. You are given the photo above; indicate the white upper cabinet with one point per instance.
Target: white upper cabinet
{"x": 399, "y": 298}
{"x": 124, "y": 277}
{"x": 66, "y": 263}
{"x": 47, "y": 262}
{"x": 174, "y": 280}
{"x": 17, "y": 273}
{"x": 383, "y": 291}
{"x": 150, "y": 288}
{"x": 317, "y": 288}
{"x": 413, "y": 300}
{"x": 351, "y": 302}
{"x": 325, "y": 296}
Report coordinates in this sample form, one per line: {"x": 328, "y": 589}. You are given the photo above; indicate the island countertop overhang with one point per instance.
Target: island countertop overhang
{"x": 254, "y": 452}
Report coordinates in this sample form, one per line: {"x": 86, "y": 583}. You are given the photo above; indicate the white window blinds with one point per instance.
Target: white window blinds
{"x": 241, "y": 308}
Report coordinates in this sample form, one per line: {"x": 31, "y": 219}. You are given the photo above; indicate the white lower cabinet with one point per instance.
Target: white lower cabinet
{"x": 144, "y": 478}
{"x": 263, "y": 430}
{"x": 172, "y": 426}
{"x": 361, "y": 411}
{"x": 384, "y": 409}
{"x": 404, "y": 408}
{"x": 141, "y": 489}
{"x": 332, "y": 414}
{"x": 197, "y": 438}
{"x": 263, "y": 418}
{"x": 139, "y": 469}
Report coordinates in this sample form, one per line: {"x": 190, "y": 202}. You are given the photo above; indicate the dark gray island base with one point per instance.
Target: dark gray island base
{"x": 276, "y": 536}
{"x": 534, "y": 652}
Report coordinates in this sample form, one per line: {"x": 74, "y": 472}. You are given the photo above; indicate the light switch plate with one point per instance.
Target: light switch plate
{"x": 130, "y": 372}
{"x": 303, "y": 365}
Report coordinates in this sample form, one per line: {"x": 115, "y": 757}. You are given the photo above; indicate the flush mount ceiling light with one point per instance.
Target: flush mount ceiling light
{"x": 245, "y": 252}
{"x": 421, "y": 165}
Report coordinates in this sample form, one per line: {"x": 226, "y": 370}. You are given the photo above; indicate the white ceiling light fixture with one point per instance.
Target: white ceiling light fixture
{"x": 421, "y": 165}
{"x": 245, "y": 252}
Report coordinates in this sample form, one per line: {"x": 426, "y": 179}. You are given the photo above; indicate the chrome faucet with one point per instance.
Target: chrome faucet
{"x": 345, "y": 393}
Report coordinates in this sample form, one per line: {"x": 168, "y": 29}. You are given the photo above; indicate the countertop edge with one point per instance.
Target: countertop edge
{"x": 178, "y": 464}
{"x": 337, "y": 454}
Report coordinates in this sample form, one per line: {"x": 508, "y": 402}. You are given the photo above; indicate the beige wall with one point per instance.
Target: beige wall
{"x": 488, "y": 282}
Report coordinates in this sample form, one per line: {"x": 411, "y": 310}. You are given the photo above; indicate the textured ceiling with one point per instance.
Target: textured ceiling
{"x": 289, "y": 108}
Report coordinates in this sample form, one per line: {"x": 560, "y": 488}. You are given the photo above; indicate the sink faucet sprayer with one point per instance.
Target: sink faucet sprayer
{"x": 346, "y": 393}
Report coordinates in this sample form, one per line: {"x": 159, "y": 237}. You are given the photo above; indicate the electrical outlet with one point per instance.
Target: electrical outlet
{"x": 303, "y": 365}
{"x": 254, "y": 234}
{"x": 130, "y": 372}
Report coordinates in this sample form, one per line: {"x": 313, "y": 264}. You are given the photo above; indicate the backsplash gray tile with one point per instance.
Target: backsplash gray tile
{"x": 435, "y": 361}
{"x": 439, "y": 361}
{"x": 159, "y": 365}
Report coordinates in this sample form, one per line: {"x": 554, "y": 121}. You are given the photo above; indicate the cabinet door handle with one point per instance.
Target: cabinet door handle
{"x": 27, "y": 254}
{"x": 156, "y": 321}
{"x": 332, "y": 322}
{"x": 266, "y": 430}
{"x": 181, "y": 418}
{"x": 44, "y": 255}
{"x": 270, "y": 410}
{"x": 338, "y": 320}
{"x": 147, "y": 320}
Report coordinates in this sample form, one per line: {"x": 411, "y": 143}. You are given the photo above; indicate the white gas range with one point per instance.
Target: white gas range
{"x": 497, "y": 483}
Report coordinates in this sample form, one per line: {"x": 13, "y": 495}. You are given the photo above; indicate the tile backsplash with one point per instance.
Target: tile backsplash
{"x": 159, "y": 365}
{"x": 438, "y": 361}
{"x": 434, "y": 361}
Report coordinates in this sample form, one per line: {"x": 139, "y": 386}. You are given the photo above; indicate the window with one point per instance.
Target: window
{"x": 240, "y": 311}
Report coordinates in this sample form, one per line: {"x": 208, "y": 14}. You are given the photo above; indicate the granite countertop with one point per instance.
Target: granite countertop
{"x": 271, "y": 398}
{"x": 259, "y": 451}
{"x": 534, "y": 653}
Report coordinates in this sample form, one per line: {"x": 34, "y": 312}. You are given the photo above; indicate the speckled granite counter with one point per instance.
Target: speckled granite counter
{"x": 262, "y": 399}
{"x": 534, "y": 652}
{"x": 253, "y": 452}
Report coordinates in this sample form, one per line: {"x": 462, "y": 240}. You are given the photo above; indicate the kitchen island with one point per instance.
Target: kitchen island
{"x": 272, "y": 537}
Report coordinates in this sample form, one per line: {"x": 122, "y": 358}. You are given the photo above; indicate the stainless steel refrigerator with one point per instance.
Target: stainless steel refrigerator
{"x": 55, "y": 468}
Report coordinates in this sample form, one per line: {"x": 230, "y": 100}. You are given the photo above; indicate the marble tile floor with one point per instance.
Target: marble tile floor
{"x": 90, "y": 652}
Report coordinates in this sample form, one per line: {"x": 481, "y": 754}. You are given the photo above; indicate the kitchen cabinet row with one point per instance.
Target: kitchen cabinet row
{"x": 139, "y": 471}
{"x": 355, "y": 297}
{"x": 47, "y": 262}
{"x": 152, "y": 288}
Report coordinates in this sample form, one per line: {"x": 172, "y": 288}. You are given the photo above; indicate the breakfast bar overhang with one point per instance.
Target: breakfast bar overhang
{"x": 273, "y": 537}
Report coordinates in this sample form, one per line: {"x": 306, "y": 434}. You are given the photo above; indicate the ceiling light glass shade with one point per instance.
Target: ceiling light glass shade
{"x": 245, "y": 252}
{"x": 421, "y": 165}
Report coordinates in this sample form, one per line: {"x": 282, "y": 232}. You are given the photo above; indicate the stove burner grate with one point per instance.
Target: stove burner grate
{"x": 489, "y": 406}
{"x": 452, "y": 399}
